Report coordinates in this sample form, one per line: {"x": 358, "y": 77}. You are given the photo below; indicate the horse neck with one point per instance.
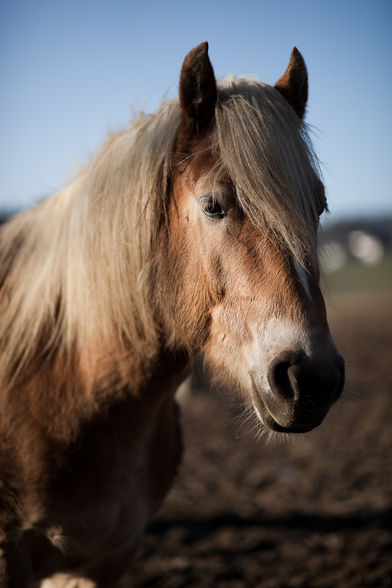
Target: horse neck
{"x": 69, "y": 340}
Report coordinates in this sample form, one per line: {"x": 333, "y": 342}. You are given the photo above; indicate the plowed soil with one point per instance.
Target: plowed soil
{"x": 311, "y": 512}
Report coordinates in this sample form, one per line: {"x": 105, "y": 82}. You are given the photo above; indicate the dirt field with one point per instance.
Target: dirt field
{"x": 313, "y": 512}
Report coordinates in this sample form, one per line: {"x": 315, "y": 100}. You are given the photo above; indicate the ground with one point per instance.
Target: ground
{"x": 311, "y": 512}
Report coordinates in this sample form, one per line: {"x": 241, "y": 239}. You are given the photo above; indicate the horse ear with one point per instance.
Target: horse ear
{"x": 293, "y": 85}
{"x": 198, "y": 92}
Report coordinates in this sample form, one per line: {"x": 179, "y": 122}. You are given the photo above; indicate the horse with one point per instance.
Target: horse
{"x": 192, "y": 232}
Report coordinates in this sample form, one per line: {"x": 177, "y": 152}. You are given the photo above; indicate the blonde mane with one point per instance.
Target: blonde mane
{"x": 76, "y": 271}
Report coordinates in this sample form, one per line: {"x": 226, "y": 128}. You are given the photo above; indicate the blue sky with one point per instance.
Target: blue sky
{"x": 73, "y": 70}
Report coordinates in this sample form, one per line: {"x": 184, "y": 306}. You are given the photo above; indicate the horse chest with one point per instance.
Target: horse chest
{"x": 105, "y": 487}
{"x": 121, "y": 470}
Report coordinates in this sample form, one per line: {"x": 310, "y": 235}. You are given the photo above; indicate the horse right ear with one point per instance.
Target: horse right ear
{"x": 198, "y": 91}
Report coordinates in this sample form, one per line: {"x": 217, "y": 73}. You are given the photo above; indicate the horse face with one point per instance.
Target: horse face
{"x": 258, "y": 315}
{"x": 262, "y": 317}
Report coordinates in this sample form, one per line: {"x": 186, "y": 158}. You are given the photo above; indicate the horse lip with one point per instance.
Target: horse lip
{"x": 268, "y": 420}
{"x": 273, "y": 425}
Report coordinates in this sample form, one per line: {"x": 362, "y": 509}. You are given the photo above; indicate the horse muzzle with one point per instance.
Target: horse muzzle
{"x": 300, "y": 391}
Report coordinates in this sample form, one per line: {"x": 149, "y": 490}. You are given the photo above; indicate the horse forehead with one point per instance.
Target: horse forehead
{"x": 202, "y": 162}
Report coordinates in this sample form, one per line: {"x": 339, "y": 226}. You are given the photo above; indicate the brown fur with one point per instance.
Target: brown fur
{"x": 110, "y": 289}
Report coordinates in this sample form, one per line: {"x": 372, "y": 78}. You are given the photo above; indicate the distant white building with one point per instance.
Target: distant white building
{"x": 365, "y": 247}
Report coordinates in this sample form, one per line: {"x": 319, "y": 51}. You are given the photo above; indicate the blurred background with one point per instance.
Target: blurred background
{"x": 316, "y": 512}
{"x": 73, "y": 71}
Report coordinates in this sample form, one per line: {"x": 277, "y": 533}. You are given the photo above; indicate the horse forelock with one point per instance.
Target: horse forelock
{"x": 266, "y": 152}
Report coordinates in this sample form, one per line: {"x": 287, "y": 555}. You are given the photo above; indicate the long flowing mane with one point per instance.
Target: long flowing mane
{"x": 76, "y": 272}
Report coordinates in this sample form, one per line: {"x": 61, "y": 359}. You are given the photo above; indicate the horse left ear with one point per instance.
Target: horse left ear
{"x": 198, "y": 92}
{"x": 293, "y": 85}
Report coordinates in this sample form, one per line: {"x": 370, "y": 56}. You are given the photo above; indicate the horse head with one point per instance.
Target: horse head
{"x": 245, "y": 202}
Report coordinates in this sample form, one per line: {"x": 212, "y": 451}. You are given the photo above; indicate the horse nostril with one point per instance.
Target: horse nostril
{"x": 282, "y": 374}
{"x": 302, "y": 388}
{"x": 293, "y": 377}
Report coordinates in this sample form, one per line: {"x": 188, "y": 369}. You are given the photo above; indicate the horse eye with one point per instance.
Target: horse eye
{"x": 211, "y": 207}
